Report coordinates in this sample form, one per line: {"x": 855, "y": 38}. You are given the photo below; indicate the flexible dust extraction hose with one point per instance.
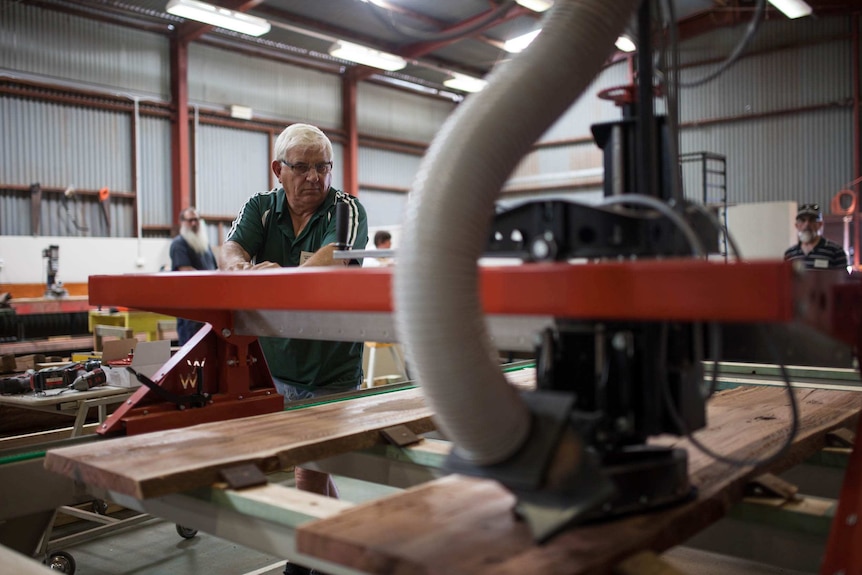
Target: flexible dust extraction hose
{"x": 438, "y": 314}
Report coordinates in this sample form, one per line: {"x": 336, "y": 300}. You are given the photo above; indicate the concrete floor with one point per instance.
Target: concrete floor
{"x": 155, "y": 548}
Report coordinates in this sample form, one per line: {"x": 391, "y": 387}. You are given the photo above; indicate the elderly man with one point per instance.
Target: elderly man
{"x": 190, "y": 251}
{"x": 294, "y": 225}
{"x": 813, "y": 249}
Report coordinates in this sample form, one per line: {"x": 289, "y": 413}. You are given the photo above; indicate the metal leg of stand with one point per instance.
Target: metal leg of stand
{"x": 843, "y": 552}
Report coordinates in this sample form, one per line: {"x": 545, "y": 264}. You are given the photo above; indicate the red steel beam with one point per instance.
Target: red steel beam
{"x": 180, "y": 137}
{"x": 351, "y": 129}
{"x": 422, "y": 48}
{"x": 678, "y": 289}
{"x": 857, "y": 132}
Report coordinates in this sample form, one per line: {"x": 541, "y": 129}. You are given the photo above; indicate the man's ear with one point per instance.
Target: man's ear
{"x": 276, "y": 169}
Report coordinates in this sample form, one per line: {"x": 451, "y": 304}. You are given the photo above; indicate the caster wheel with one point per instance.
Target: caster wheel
{"x": 61, "y": 561}
{"x": 100, "y": 506}
{"x": 186, "y": 532}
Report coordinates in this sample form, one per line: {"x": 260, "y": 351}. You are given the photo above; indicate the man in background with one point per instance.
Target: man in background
{"x": 813, "y": 249}
{"x": 190, "y": 251}
{"x": 383, "y": 241}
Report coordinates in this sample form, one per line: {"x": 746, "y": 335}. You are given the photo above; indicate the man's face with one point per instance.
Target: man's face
{"x": 808, "y": 228}
{"x": 191, "y": 221}
{"x": 307, "y": 182}
{"x": 385, "y": 245}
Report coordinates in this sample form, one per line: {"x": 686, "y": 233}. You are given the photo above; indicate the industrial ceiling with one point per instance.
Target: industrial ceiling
{"x": 437, "y": 37}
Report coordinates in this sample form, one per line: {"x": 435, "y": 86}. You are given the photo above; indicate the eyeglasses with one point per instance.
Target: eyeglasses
{"x": 809, "y": 208}
{"x": 190, "y": 219}
{"x": 301, "y": 169}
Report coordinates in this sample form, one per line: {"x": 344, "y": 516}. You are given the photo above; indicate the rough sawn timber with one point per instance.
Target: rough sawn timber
{"x": 172, "y": 461}
{"x": 458, "y": 525}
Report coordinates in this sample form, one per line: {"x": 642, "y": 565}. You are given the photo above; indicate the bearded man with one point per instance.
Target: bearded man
{"x": 815, "y": 251}
{"x": 190, "y": 251}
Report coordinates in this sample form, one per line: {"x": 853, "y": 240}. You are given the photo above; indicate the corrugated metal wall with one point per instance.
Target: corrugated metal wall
{"x": 777, "y": 32}
{"x": 396, "y": 114}
{"x": 83, "y": 51}
{"x": 806, "y": 157}
{"x": 775, "y": 81}
{"x": 65, "y": 147}
{"x": 574, "y": 162}
{"x": 219, "y": 77}
{"x": 155, "y": 194}
{"x": 589, "y": 109}
{"x": 781, "y": 117}
{"x": 383, "y": 208}
{"x": 386, "y": 169}
{"x": 232, "y": 165}
{"x": 59, "y": 145}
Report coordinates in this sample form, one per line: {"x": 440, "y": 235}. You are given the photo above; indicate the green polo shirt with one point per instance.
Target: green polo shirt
{"x": 263, "y": 228}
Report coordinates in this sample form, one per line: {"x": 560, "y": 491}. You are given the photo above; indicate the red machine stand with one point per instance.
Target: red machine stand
{"x": 216, "y": 376}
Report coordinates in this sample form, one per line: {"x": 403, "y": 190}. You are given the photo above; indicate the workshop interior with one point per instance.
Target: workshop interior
{"x": 588, "y": 349}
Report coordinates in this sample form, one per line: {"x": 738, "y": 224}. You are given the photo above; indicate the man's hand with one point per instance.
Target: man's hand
{"x": 233, "y": 258}
{"x": 249, "y": 266}
{"x": 323, "y": 257}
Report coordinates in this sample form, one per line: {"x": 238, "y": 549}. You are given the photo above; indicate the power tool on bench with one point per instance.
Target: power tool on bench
{"x": 75, "y": 375}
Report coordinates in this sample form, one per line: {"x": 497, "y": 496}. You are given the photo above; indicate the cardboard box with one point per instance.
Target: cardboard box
{"x": 148, "y": 357}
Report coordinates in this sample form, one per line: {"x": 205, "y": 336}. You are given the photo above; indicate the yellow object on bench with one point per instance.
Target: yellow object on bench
{"x": 137, "y": 321}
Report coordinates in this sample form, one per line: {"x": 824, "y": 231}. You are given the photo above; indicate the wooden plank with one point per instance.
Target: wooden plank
{"x": 808, "y": 514}
{"x": 171, "y": 461}
{"x": 76, "y": 343}
{"x": 277, "y": 503}
{"x": 472, "y": 520}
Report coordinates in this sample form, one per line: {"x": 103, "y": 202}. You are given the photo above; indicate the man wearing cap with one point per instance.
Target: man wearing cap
{"x": 813, "y": 249}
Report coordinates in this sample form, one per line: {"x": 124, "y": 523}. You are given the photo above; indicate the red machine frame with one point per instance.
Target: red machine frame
{"x": 238, "y": 381}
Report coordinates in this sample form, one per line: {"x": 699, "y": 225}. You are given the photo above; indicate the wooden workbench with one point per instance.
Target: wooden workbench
{"x": 72, "y": 403}
{"x": 455, "y": 524}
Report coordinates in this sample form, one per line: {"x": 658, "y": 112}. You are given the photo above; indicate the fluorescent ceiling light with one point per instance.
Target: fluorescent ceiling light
{"x": 625, "y": 44}
{"x": 792, "y": 8}
{"x": 536, "y": 5}
{"x": 516, "y": 45}
{"x": 367, "y": 56}
{"x": 221, "y": 17}
{"x": 465, "y": 83}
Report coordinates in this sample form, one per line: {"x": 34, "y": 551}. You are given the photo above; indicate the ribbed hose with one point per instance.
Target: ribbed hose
{"x": 438, "y": 313}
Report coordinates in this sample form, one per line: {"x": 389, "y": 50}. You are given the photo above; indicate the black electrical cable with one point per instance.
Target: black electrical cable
{"x": 719, "y": 228}
{"x": 680, "y": 424}
{"x": 750, "y": 31}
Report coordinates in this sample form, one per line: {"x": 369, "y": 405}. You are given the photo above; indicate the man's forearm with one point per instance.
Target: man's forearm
{"x": 234, "y": 257}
